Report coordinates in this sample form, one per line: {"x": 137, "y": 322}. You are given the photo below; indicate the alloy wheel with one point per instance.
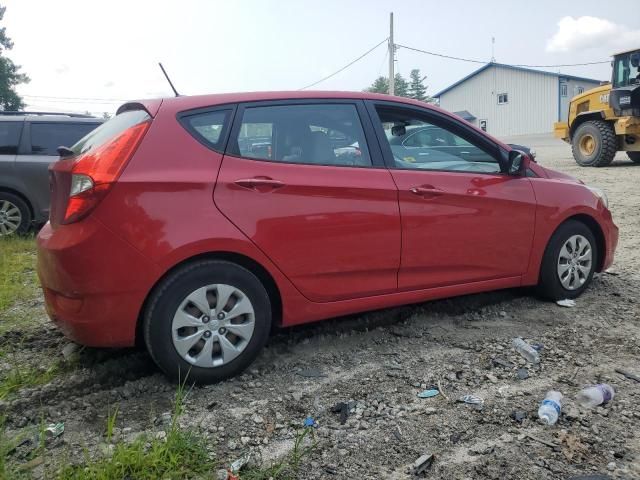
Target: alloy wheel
{"x": 575, "y": 262}
{"x": 213, "y": 325}
{"x": 10, "y": 217}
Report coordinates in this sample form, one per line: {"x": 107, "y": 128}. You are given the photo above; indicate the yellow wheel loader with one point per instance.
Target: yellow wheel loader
{"x": 606, "y": 119}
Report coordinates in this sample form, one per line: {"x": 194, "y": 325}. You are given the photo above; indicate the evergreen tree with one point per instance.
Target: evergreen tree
{"x": 10, "y": 75}
{"x": 417, "y": 89}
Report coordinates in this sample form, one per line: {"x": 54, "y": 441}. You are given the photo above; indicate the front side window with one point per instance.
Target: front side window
{"x": 419, "y": 144}
{"x": 323, "y": 134}
{"x": 503, "y": 98}
{"x": 9, "y": 137}
{"x": 47, "y": 137}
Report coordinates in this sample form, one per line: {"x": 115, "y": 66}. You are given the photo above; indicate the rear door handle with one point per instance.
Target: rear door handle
{"x": 426, "y": 191}
{"x": 259, "y": 184}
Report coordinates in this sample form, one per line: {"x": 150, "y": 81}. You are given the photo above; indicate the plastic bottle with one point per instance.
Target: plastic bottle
{"x": 595, "y": 395}
{"x": 526, "y": 350}
{"x": 550, "y": 407}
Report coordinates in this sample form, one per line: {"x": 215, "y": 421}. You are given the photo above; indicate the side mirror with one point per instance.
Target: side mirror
{"x": 518, "y": 163}
{"x": 398, "y": 130}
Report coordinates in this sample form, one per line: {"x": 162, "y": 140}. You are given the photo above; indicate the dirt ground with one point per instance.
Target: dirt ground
{"x": 377, "y": 363}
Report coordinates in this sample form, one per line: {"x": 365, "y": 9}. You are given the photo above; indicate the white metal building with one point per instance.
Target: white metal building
{"x": 506, "y": 100}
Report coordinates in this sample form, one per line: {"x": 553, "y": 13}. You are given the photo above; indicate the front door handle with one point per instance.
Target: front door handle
{"x": 260, "y": 184}
{"x": 426, "y": 191}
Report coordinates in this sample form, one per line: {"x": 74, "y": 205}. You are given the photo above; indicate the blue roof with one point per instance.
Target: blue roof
{"x": 511, "y": 67}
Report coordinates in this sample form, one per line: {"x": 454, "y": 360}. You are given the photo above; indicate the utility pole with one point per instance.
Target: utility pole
{"x": 392, "y": 58}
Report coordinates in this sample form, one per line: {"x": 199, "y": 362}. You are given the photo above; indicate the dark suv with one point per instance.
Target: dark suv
{"x": 28, "y": 144}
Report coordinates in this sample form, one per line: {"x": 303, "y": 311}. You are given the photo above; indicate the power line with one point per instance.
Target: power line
{"x": 345, "y": 67}
{"x": 88, "y": 99}
{"x": 513, "y": 65}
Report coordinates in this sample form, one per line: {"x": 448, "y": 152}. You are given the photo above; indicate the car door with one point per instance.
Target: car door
{"x": 326, "y": 215}
{"x": 463, "y": 220}
{"x": 10, "y": 132}
{"x": 39, "y": 150}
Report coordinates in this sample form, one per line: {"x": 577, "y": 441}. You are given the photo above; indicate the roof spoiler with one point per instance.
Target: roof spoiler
{"x": 150, "y": 106}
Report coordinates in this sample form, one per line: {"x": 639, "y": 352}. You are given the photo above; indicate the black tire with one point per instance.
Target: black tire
{"x": 634, "y": 156}
{"x": 25, "y": 213}
{"x": 606, "y": 144}
{"x": 165, "y": 301}
{"x": 550, "y": 285}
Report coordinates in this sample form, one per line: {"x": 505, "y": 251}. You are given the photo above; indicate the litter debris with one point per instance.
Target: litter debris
{"x": 537, "y": 346}
{"x": 610, "y": 271}
{"x": 422, "y": 464}
{"x": 471, "y": 400}
{"x": 567, "y": 302}
{"x": 544, "y": 442}
{"x": 397, "y": 433}
{"x": 237, "y": 465}
{"x": 630, "y": 376}
{"x": 310, "y": 422}
{"x": 595, "y": 395}
{"x": 522, "y": 373}
{"x": 54, "y": 430}
{"x": 343, "y": 409}
{"x": 311, "y": 373}
{"x": 432, "y": 392}
{"x": 519, "y": 415}
{"x": 550, "y": 407}
{"x": 526, "y": 350}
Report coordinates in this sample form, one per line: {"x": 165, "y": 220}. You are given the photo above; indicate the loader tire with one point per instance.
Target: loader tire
{"x": 634, "y": 156}
{"x": 594, "y": 144}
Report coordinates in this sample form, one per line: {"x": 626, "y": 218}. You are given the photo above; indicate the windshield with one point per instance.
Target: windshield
{"x": 625, "y": 69}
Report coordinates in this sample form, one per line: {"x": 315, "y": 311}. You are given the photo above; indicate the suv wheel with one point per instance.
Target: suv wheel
{"x": 15, "y": 216}
{"x": 569, "y": 261}
{"x": 207, "y": 321}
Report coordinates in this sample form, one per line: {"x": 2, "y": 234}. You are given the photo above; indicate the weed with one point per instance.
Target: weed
{"x": 28, "y": 376}
{"x": 111, "y": 423}
{"x": 18, "y": 280}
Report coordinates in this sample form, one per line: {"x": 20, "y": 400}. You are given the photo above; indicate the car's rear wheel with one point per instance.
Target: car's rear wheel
{"x": 15, "y": 216}
{"x": 634, "y": 156}
{"x": 569, "y": 261}
{"x": 207, "y": 321}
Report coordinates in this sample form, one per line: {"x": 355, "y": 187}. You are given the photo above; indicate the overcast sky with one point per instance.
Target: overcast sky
{"x": 74, "y": 50}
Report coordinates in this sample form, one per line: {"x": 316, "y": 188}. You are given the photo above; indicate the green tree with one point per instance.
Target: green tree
{"x": 10, "y": 75}
{"x": 381, "y": 85}
{"x": 417, "y": 89}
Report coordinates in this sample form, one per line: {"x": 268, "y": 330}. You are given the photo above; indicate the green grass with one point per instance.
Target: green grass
{"x": 23, "y": 377}
{"x": 18, "y": 279}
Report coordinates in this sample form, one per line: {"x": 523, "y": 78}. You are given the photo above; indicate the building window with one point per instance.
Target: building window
{"x": 503, "y": 98}
{"x": 563, "y": 89}
{"x": 580, "y": 90}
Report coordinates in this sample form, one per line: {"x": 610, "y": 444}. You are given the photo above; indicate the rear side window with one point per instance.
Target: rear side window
{"x": 110, "y": 129}
{"x": 47, "y": 137}
{"x": 322, "y": 134}
{"x": 9, "y": 137}
{"x": 208, "y": 127}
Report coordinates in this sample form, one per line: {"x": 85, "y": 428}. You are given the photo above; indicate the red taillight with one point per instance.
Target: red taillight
{"x": 94, "y": 172}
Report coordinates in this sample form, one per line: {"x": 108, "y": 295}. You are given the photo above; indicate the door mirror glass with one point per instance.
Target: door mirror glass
{"x": 517, "y": 162}
{"x": 398, "y": 131}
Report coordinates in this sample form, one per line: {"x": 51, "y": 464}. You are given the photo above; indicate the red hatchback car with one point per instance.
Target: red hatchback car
{"x": 195, "y": 224}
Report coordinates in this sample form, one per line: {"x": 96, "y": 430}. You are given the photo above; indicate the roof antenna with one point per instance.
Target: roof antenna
{"x": 493, "y": 46}
{"x": 168, "y": 79}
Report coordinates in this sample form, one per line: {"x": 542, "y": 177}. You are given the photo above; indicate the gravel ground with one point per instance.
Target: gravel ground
{"x": 377, "y": 363}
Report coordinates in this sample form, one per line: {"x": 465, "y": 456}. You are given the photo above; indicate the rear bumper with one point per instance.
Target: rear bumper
{"x": 94, "y": 283}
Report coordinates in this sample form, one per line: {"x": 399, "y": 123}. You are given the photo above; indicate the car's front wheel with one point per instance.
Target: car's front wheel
{"x": 569, "y": 261}
{"x": 207, "y": 321}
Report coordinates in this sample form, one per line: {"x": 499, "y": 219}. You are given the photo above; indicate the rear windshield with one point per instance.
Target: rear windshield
{"x": 109, "y": 130}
